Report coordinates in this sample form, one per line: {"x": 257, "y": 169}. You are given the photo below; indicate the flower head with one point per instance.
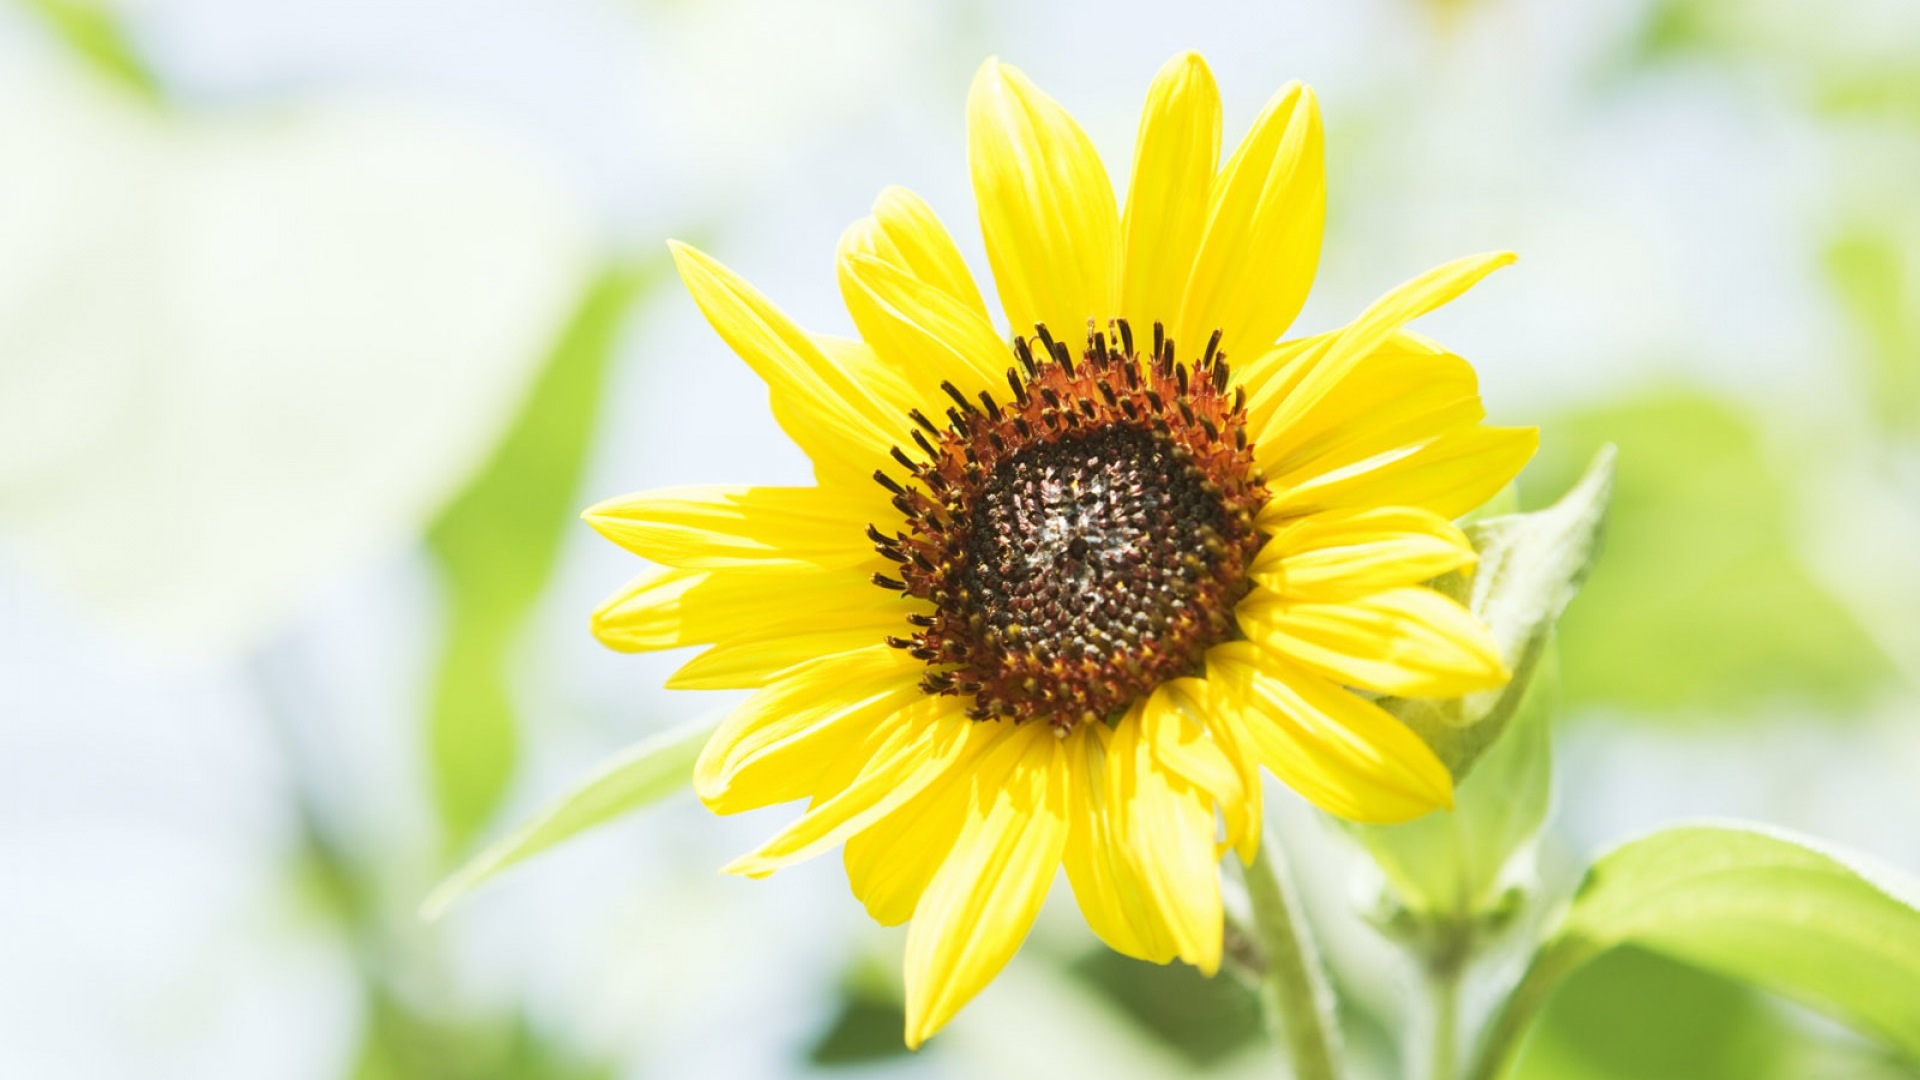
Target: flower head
{"x": 1059, "y": 601}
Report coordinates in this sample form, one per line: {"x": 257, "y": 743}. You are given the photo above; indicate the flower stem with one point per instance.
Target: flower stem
{"x": 1443, "y": 1014}
{"x": 1293, "y": 985}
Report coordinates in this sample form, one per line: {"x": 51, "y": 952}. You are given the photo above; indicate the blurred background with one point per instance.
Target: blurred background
{"x": 320, "y": 322}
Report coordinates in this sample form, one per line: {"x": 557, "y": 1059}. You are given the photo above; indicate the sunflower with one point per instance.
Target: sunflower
{"x": 1059, "y": 600}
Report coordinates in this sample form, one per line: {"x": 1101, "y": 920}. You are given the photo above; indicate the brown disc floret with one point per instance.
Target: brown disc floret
{"x": 1081, "y": 541}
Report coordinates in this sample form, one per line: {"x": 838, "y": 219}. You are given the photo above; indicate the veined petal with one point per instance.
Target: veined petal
{"x": 904, "y": 231}
{"x": 775, "y": 746}
{"x": 740, "y": 663}
{"x": 890, "y": 863}
{"x": 817, "y": 402}
{"x": 1341, "y": 752}
{"x": 1404, "y": 391}
{"x": 1346, "y": 553}
{"x": 708, "y": 528}
{"x": 1366, "y": 334}
{"x": 923, "y": 330}
{"x": 1106, "y": 883}
{"x": 1171, "y": 828}
{"x": 1046, "y": 206}
{"x": 1449, "y": 475}
{"x": 1410, "y": 642}
{"x": 980, "y": 904}
{"x": 921, "y": 742}
{"x": 1173, "y": 163}
{"x": 666, "y": 607}
{"x": 1261, "y": 245}
{"x": 1195, "y": 750}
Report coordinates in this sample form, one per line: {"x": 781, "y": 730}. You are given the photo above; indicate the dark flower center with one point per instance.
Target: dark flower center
{"x": 1083, "y": 541}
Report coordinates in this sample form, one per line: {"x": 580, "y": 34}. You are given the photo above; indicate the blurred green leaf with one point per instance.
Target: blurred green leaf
{"x": 400, "y": 1043}
{"x": 1635, "y": 1015}
{"x": 1531, "y": 567}
{"x": 867, "y": 1025}
{"x": 1702, "y": 606}
{"x": 1873, "y": 269}
{"x": 646, "y": 773}
{"x": 1832, "y": 58}
{"x": 1832, "y": 931}
{"x": 1205, "y": 1020}
{"x": 91, "y": 30}
{"x": 496, "y": 544}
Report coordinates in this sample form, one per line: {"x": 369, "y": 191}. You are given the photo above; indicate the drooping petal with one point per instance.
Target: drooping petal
{"x": 1171, "y": 829}
{"x": 1261, "y": 243}
{"x": 904, "y": 232}
{"x": 817, "y": 401}
{"x": 1046, "y": 206}
{"x": 1411, "y": 642}
{"x": 1173, "y": 164}
{"x": 776, "y": 745}
{"x": 1448, "y": 474}
{"x": 918, "y": 745}
{"x": 922, "y": 330}
{"x": 979, "y": 906}
{"x": 890, "y": 863}
{"x": 710, "y": 528}
{"x": 1341, "y": 554}
{"x": 1341, "y": 752}
{"x": 1187, "y": 743}
{"x": 1106, "y": 883}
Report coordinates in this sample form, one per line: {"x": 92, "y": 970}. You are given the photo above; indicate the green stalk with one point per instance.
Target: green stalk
{"x": 1443, "y": 1015}
{"x": 1293, "y": 986}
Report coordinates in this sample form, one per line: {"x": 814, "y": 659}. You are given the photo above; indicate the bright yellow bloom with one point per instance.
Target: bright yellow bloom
{"x": 1052, "y": 605}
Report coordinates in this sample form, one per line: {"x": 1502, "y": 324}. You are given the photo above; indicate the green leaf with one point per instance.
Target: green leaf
{"x": 646, "y": 773}
{"x": 496, "y": 545}
{"x": 1684, "y": 1023}
{"x": 1833, "y": 931}
{"x": 1205, "y": 1020}
{"x": 91, "y": 30}
{"x": 1703, "y": 608}
{"x": 1876, "y": 275}
{"x": 1531, "y": 566}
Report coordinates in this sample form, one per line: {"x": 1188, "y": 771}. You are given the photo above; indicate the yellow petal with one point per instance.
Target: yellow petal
{"x": 920, "y": 329}
{"x": 667, "y": 607}
{"x": 1046, "y": 206}
{"x": 1346, "y": 553}
{"x": 980, "y": 904}
{"x": 890, "y": 863}
{"x": 775, "y": 746}
{"x": 920, "y": 743}
{"x": 1171, "y": 829}
{"x": 1367, "y": 334}
{"x": 1410, "y": 642}
{"x": 1106, "y": 883}
{"x": 750, "y": 663}
{"x": 707, "y": 528}
{"x": 904, "y": 231}
{"x": 1173, "y": 163}
{"x": 1341, "y": 752}
{"x": 817, "y": 402}
{"x": 1402, "y": 392}
{"x": 1262, "y": 239}
{"x": 1449, "y": 475}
